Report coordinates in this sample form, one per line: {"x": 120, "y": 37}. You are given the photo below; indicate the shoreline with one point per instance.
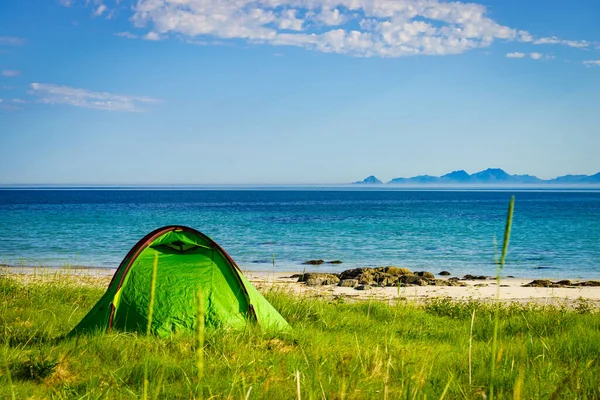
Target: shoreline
{"x": 511, "y": 289}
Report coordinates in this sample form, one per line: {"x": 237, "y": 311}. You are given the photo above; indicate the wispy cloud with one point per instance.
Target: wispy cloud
{"x": 9, "y": 105}
{"x": 55, "y": 94}
{"x": 364, "y": 28}
{"x": 534, "y": 55}
{"x": 592, "y": 63}
{"x": 11, "y": 41}
{"x": 99, "y": 10}
{"x": 554, "y": 40}
{"x": 127, "y": 35}
{"x": 10, "y": 72}
{"x": 151, "y": 36}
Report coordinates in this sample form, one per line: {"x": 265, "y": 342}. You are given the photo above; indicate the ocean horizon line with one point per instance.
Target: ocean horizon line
{"x": 308, "y": 186}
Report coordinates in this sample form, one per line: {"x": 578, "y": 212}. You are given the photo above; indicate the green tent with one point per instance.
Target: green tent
{"x": 189, "y": 263}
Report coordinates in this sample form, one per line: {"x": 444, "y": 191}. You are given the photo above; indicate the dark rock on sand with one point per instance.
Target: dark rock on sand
{"x": 348, "y": 283}
{"x": 470, "y": 277}
{"x": 448, "y": 282}
{"x": 394, "y": 276}
{"x": 334, "y": 262}
{"x": 383, "y": 276}
{"x": 588, "y": 283}
{"x": 425, "y": 274}
{"x": 445, "y": 273}
{"x": 565, "y": 282}
{"x": 413, "y": 280}
{"x": 318, "y": 279}
{"x": 539, "y": 283}
{"x": 363, "y": 287}
{"x": 313, "y": 262}
{"x": 559, "y": 284}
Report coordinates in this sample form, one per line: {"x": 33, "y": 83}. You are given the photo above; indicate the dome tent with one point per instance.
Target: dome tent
{"x": 189, "y": 263}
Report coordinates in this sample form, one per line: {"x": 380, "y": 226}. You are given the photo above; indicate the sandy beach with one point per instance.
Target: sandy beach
{"x": 511, "y": 289}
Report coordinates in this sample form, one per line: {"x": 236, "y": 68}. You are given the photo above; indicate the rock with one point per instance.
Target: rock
{"x": 481, "y": 285}
{"x": 565, "y": 282}
{"x": 589, "y": 283}
{"x": 470, "y": 277}
{"x": 353, "y": 273}
{"x": 425, "y": 275}
{"x": 445, "y": 273}
{"x": 454, "y": 278}
{"x": 363, "y": 287}
{"x": 348, "y": 283}
{"x": 334, "y": 262}
{"x": 510, "y": 276}
{"x": 296, "y": 276}
{"x": 396, "y": 270}
{"x": 313, "y": 262}
{"x": 314, "y": 282}
{"x": 365, "y": 278}
{"x": 319, "y": 278}
{"x": 332, "y": 280}
{"x": 382, "y": 276}
{"x": 412, "y": 280}
{"x": 446, "y": 282}
{"x": 539, "y": 283}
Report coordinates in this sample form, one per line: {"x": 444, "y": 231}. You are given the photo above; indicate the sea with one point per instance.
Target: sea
{"x": 555, "y": 233}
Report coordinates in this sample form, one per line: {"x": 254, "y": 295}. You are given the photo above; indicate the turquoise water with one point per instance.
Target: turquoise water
{"x": 555, "y": 234}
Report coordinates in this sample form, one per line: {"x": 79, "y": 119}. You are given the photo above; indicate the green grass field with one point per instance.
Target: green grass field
{"x": 337, "y": 350}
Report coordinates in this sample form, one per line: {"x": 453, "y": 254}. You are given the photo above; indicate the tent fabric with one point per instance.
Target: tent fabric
{"x": 189, "y": 264}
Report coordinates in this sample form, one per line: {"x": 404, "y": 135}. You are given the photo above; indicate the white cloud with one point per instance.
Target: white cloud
{"x": 66, "y": 3}
{"x": 330, "y": 17}
{"x": 555, "y": 40}
{"x": 384, "y": 28}
{"x": 541, "y": 56}
{"x": 396, "y": 27}
{"x": 101, "y": 8}
{"x": 11, "y": 41}
{"x": 151, "y": 36}
{"x": 10, "y": 72}
{"x": 18, "y": 101}
{"x": 127, "y": 35}
{"x": 516, "y": 54}
{"x": 288, "y": 21}
{"x": 55, "y": 94}
{"x": 592, "y": 63}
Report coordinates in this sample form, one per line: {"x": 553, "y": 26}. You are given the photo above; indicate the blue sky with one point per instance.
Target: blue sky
{"x": 295, "y": 91}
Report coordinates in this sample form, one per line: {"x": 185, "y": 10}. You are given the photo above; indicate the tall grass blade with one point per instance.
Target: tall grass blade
{"x": 499, "y": 268}
{"x": 471, "y": 348}
{"x": 298, "y": 393}
{"x": 8, "y": 377}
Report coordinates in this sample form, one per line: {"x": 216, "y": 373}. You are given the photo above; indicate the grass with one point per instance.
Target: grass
{"x": 337, "y": 350}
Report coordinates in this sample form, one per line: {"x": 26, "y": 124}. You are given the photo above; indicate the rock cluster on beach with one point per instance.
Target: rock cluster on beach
{"x": 559, "y": 284}
{"x": 364, "y": 278}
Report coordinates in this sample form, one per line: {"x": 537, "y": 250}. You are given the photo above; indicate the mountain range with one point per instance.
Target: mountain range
{"x": 488, "y": 176}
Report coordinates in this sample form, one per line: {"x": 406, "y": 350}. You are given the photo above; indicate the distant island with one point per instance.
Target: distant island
{"x": 485, "y": 177}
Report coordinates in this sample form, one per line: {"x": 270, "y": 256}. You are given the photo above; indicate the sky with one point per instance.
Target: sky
{"x": 295, "y": 91}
